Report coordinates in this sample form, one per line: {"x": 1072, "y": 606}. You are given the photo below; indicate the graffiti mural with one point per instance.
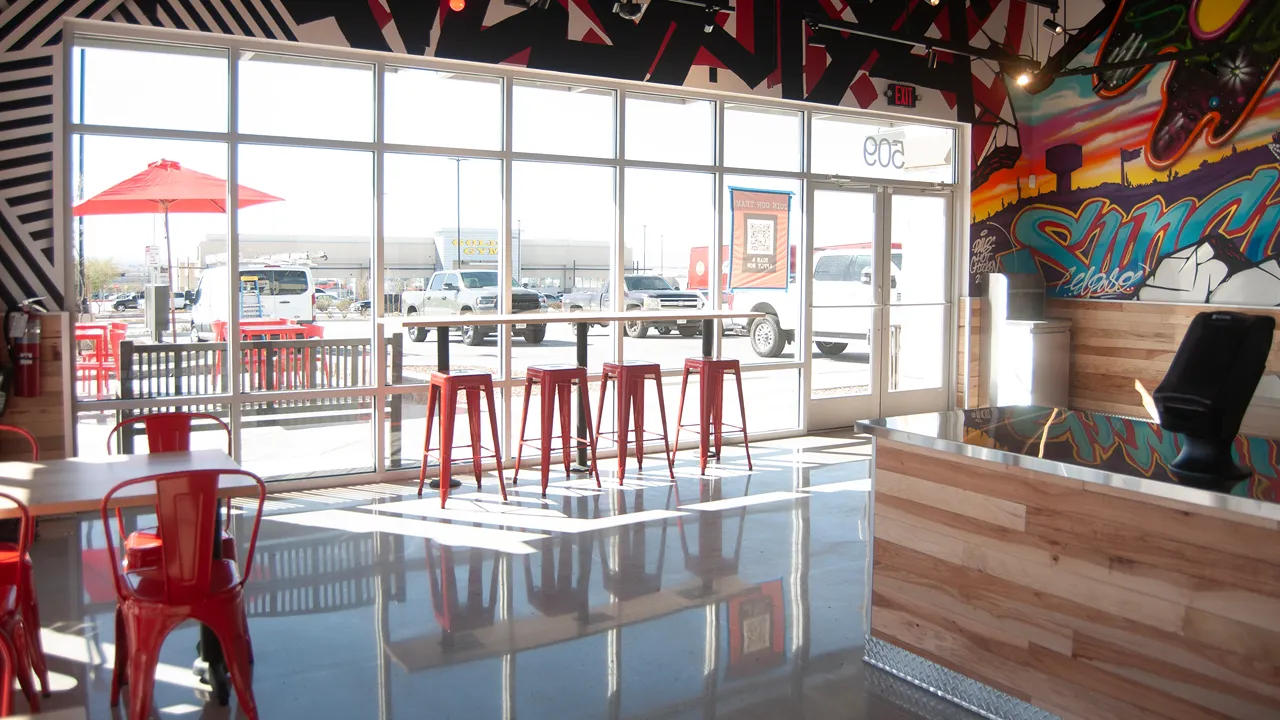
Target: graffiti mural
{"x": 1112, "y": 443}
{"x": 1157, "y": 182}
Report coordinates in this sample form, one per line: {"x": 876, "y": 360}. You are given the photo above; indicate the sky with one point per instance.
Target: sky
{"x": 329, "y": 191}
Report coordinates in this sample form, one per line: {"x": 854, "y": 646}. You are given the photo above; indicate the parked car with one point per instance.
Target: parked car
{"x": 128, "y": 301}
{"x": 285, "y": 292}
{"x": 841, "y": 283}
{"x": 472, "y": 292}
{"x": 137, "y": 300}
{"x": 644, "y": 292}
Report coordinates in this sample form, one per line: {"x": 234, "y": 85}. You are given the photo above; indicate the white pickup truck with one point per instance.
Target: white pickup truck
{"x": 841, "y": 285}
{"x": 472, "y": 292}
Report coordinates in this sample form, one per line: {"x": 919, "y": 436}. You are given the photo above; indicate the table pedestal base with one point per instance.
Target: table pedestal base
{"x": 453, "y": 483}
{"x": 949, "y": 684}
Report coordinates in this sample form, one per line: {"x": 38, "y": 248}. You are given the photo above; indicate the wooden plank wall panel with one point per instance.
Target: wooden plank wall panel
{"x": 970, "y": 390}
{"x": 43, "y": 416}
{"x": 1089, "y": 602}
{"x": 1115, "y": 343}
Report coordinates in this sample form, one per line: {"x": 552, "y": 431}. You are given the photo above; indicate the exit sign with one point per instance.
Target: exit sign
{"x": 901, "y": 95}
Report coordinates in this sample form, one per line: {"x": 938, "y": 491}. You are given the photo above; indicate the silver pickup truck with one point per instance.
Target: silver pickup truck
{"x": 471, "y": 292}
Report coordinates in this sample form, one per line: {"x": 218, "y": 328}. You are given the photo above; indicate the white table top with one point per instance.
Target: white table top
{"x": 58, "y": 487}
{"x": 534, "y": 318}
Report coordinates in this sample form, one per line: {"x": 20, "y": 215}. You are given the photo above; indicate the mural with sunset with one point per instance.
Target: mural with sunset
{"x": 1149, "y": 182}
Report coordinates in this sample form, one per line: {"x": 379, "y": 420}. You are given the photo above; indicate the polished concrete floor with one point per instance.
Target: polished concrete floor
{"x": 734, "y": 595}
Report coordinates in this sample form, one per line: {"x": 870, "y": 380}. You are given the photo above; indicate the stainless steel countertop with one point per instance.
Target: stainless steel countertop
{"x": 1120, "y": 452}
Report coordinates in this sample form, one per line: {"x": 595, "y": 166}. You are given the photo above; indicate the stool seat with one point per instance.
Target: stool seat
{"x": 443, "y": 392}
{"x": 462, "y": 379}
{"x": 712, "y": 373}
{"x": 556, "y": 383}
{"x": 629, "y": 377}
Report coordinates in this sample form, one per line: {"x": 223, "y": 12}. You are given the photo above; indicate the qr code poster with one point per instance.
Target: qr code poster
{"x": 762, "y": 243}
{"x": 761, "y": 253}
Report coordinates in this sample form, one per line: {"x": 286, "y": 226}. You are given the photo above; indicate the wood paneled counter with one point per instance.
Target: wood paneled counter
{"x": 1031, "y": 563}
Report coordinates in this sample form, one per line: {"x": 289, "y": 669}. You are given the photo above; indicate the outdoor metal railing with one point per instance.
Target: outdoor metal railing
{"x": 184, "y": 372}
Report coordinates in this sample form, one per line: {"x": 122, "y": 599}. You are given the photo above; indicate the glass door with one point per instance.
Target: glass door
{"x": 844, "y": 248}
{"x": 916, "y": 328}
{"x": 879, "y": 303}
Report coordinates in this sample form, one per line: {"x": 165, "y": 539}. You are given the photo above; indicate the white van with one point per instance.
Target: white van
{"x": 283, "y": 292}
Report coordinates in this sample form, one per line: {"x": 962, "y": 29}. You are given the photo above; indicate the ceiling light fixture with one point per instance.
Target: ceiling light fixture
{"x": 1024, "y": 78}
{"x": 931, "y": 59}
{"x": 933, "y": 2}
{"x": 1053, "y": 26}
{"x": 815, "y": 40}
{"x": 457, "y": 5}
{"x": 628, "y": 9}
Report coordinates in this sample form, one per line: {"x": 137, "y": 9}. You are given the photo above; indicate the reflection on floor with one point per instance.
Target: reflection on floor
{"x": 738, "y": 595}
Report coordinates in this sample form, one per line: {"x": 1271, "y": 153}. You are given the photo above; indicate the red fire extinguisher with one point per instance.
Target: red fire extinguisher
{"x": 24, "y": 340}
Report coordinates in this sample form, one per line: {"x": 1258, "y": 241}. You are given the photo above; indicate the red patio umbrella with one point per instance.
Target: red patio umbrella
{"x": 165, "y": 186}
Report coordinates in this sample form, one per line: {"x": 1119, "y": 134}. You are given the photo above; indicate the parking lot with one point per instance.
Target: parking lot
{"x": 846, "y": 373}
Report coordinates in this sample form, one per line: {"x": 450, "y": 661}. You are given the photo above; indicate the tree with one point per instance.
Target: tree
{"x": 99, "y": 273}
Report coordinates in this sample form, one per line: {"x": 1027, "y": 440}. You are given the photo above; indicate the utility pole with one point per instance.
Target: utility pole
{"x": 458, "y": 194}
{"x": 644, "y": 248}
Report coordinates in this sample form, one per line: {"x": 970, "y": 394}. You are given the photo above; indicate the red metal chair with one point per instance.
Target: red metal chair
{"x": 16, "y": 570}
{"x": 192, "y": 582}
{"x": 557, "y": 381}
{"x": 166, "y": 432}
{"x": 15, "y": 635}
{"x": 27, "y": 438}
{"x": 712, "y": 373}
{"x": 444, "y": 394}
{"x": 630, "y": 377}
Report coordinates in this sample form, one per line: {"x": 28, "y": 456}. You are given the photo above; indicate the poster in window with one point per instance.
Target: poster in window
{"x": 760, "y": 251}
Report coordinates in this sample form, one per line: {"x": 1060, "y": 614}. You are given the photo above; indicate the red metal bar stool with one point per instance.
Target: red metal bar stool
{"x": 557, "y": 383}
{"x": 630, "y": 377}
{"x": 712, "y": 373}
{"x": 444, "y": 393}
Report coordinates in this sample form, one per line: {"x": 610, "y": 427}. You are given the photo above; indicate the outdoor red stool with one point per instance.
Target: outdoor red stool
{"x": 630, "y": 377}
{"x": 444, "y": 393}
{"x": 557, "y": 382}
{"x": 712, "y": 373}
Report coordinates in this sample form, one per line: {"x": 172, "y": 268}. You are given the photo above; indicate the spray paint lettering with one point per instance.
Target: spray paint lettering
{"x": 1100, "y": 251}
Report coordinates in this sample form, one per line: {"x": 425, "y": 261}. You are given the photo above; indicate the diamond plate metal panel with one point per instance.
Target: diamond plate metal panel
{"x": 963, "y": 691}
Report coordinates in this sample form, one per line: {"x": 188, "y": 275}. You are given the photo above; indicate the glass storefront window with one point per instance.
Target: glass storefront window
{"x": 428, "y": 233}
{"x": 663, "y": 128}
{"x": 441, "y": 109}
{"x": 303, "y": 97}
{"x": 554, "y": 119}
{"x": 762, "y": 138}
{"x": 550, "y": 238}
{"x": 853, "y": 147}
{"x": 185, "y": 89}
{"x": 565, "y": 217}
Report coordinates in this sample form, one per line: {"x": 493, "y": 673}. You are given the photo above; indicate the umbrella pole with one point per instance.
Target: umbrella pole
{"x": 168, "y": 248}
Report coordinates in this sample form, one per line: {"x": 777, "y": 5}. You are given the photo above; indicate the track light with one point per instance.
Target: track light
{"x": 628, "y": 9}
{"x": 1024, "y": 78}
{"x": 711, "y": 20}
{"x": 815, "y": 40}
{"x": 931, "y": 59}
{"x": 933, "y": 2}
{"x": 1053, "y": 26}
